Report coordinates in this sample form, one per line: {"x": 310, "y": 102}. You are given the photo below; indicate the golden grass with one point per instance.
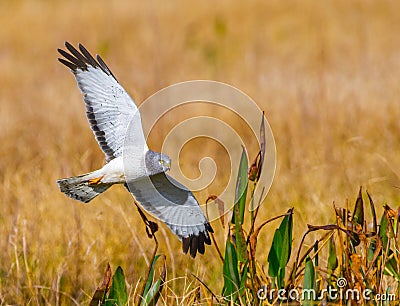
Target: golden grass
{"x": 326, "y": 73}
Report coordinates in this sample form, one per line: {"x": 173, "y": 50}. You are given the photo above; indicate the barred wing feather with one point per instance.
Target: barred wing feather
{"x": 176, "y": 206}
{"x": 109, "y": 108}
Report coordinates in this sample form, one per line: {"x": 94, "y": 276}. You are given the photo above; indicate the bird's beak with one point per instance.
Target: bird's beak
{"x": 167, "y": 167}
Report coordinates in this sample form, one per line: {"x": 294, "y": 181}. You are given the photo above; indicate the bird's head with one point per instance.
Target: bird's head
{"x": 165, "y": 162}
{"x": 157, "y": 162}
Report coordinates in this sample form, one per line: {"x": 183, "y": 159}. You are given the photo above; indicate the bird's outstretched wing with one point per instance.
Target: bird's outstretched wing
{"x": 175, "y": 205}
{"x": 109, "y": 108}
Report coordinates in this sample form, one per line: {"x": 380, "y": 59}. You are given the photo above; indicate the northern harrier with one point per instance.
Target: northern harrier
{"x": 110, "y": 111}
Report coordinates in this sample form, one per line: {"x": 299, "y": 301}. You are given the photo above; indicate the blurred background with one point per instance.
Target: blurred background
{"x": 326, "y": 73}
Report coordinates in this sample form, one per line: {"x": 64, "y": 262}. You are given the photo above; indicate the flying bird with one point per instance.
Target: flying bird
{"x": 110, "y": 112}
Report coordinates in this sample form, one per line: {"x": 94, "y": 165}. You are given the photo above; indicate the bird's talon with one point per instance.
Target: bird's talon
{"x": 95, "y": 181}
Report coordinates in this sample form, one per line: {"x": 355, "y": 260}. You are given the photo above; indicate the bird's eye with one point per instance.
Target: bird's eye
{"x": 162, "y": 162}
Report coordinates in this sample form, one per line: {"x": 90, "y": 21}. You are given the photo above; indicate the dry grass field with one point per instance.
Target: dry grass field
{"x": 326, "y": 73}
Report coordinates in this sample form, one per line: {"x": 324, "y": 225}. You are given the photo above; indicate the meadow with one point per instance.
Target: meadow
{"x": 325, "y": 73}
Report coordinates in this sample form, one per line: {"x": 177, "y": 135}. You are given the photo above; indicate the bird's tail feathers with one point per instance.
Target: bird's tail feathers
{"x": 82, "y": 188}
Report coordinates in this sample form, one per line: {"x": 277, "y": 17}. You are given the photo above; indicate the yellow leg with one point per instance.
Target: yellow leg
{"x": 95, "y": 181}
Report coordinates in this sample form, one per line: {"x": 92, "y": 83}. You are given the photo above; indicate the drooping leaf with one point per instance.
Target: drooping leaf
{"x": 101, "y": 291}
{"x": 117, "y": 295}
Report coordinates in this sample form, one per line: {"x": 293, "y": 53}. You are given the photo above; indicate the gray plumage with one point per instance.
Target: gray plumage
{"x": 172, "y": 202}
{"x": 78, "y": 188}
{"x": 115, "y": 119}
{"x": 156, "y": 162}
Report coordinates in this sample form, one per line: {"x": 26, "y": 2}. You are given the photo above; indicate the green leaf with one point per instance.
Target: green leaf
{"x": 275, "y": 254}
{"x": 239, "y": 207}
{"x": 286, "y": 229}
{"x": 371, "y": 251}
{"x": 241, "y": 189}
{"x": 149, "y": 279}
{"x": 383, "y": 228}
{"x": 281, "y": 278}
{"x": 117, "y": 295}
{"x": 151, "y": 294}
{"x": 280, "y": 251}
{"x": 309, "y": 282}
{"x": 332, "y": 259}
{"x": 281, "y": 248}
{"x": 231, "y": 273}
{"x": 240, "y": 243}
{"x": 358, "y": 214}
{"x": 391, "y": 266}
{"x": 243, "y": 277}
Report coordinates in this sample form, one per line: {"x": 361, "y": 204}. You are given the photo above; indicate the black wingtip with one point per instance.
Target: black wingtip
{"x": 208, "y": 227}
{"x": 196, "y": 243}
{"x": 70, "y": 65}
{"x": 82, "y": 59}
{"x": 104, "y": 66}
{"x": 194, "y": 246}
{"x": 185, "y": 244}
{"x": 74, "y": 60}
{"x": 88, "y": 56}
{"x": 201, "y": 248}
